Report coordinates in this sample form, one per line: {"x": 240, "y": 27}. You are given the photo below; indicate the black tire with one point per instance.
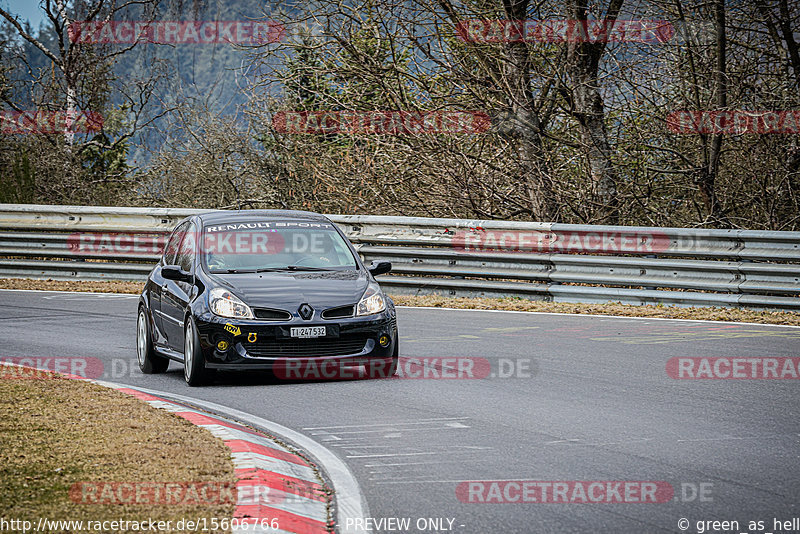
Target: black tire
{"x": 194, "y": 368}
{"x": 380, "y": 370}
{"x": 150, "y": 362}
{"x": 395, "y": 357}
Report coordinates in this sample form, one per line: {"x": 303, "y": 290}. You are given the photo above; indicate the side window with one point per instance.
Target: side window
{"x": 172, "y": 245}
{"x": 187, "y": 249}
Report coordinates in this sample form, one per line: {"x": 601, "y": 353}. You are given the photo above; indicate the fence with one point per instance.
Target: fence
{"x": 455, "y": 257}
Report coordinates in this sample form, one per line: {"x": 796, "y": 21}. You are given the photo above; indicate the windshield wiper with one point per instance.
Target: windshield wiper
{"x": 290, "y": 268}
{"x": 304, "y": 268}
{"x": 269, "y": 269}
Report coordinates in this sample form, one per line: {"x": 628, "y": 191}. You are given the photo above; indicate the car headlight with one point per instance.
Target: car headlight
{"x": 225, "y": 304}
{"x": 372, "y": 301}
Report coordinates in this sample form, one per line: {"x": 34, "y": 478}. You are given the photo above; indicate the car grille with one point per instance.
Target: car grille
{"x": 307, "y": 348}
{"x": 338, "y": 313}
{"x": 271, "y": 315}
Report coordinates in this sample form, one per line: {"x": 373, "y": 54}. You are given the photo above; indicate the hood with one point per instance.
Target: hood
{"x": 288, "y": 290}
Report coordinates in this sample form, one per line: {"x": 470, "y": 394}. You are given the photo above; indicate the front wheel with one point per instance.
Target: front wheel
{"x": 395, "y": 357}
{"x": 384, "y": 369}
{"x": 149, "y": 361}
{"x": 194, "y": 369}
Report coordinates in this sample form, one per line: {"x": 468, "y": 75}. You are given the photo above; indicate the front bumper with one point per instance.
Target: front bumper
{"x": 258, "y": 344}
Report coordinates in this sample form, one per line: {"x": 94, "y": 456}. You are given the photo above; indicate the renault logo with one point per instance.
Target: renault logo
{"x": 306, "y": 311}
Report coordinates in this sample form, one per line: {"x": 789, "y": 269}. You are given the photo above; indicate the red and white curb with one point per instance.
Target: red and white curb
{"x": 275, "y": 486}
{"x": 273, "y": 483}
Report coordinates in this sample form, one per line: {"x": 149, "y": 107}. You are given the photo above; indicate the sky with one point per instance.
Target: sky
{"x": 26, "y": 9}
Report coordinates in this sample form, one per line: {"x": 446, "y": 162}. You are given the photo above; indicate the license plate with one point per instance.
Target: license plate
{"x": 307, "y": 331}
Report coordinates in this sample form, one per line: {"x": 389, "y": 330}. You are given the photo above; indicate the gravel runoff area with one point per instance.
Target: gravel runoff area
{"x": 513, "y": 304}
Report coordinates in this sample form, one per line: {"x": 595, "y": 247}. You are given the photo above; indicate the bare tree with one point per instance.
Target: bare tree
{"x": 79, "y": 76}
{"x": 582, "y": 92}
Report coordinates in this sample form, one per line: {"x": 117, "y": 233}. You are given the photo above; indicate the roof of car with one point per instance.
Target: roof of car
{"x": 224, "y": 216}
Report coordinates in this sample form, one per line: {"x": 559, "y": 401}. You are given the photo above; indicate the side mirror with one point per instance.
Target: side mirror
{"x": 380, "y": 267}
{"x": 174, "y": 272}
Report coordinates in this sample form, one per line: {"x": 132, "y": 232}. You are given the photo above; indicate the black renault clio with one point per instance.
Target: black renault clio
{"x": 265, "y": 289}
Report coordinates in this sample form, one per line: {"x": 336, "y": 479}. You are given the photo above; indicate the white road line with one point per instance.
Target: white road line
{"x": 125, "y": 295}
{"x": 84, "y": 296}
{"x": 396, "y": 454}
{"x": 447, "y": 426}
{"x": 560, "y": 314}
{"x": 357, "y": 446}
{"x": 602, "y": 316}
{"x": 326, "y": 433}
{"x": 417, "y": 422}
{"x": 393, "y": 477}
{"x": 436, "y": 481}
{"x": 427, "y": 453}
{"x": 404, "y": 464}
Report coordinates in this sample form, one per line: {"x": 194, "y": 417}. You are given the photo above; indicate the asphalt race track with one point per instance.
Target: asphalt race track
{"x": 588, "y": 399}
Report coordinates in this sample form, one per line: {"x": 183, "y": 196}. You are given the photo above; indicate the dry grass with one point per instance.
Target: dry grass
{"x": 100, "y": 286}
{"x": 55, "y": 432}
{"x": 515, "y": 304}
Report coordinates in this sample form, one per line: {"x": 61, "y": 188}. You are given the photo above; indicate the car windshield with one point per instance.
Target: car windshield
{"x": 255, "y": 246}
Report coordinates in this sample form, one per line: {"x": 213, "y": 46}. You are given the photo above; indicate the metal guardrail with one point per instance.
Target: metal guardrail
{"x": 453, "y": 257}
